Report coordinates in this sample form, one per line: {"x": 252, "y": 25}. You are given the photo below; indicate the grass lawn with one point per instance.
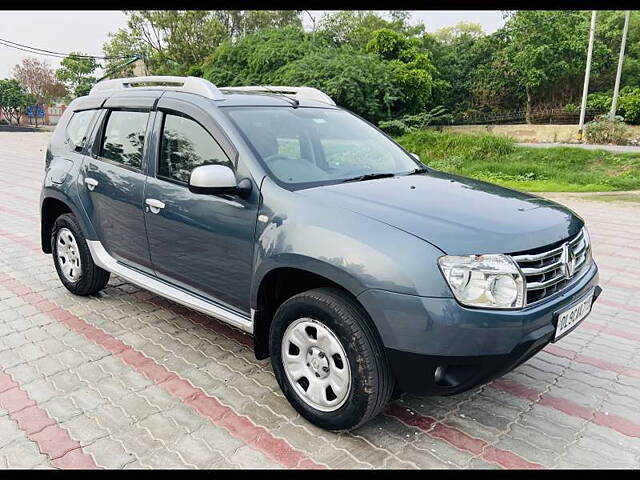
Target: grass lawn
{"x": 498, "y": 160}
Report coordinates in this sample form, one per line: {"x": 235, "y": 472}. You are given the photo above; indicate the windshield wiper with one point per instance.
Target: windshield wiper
{"x": 418, "y": 170}
{"x": 369, "y": 176}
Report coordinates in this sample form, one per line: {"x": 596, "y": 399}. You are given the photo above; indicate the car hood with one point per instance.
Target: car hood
{"x": 459, "y": 215}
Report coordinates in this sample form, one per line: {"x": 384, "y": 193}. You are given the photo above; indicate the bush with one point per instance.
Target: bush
{"x": 605, "y": 131}
{"x": 195, "y": 71}
{"x": 629, "y": 104}
{"x": 411, "y": 123}
{"x": 599, "y": 101}
{"x": 396, "y": 127}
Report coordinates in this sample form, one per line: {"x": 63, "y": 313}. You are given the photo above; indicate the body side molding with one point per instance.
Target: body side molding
{"x": 102, "y": 258}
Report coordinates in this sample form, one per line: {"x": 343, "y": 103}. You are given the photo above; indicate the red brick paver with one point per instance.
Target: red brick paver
{"x": 52, "y": 441}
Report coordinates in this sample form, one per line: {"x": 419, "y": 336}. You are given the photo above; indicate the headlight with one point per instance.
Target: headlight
{"x": 489, "y": 281}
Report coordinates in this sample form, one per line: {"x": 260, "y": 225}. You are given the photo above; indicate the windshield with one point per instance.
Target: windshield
{"x": 308, "y": 146}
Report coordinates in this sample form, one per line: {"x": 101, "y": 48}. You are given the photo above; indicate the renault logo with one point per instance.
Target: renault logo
{"x": 568, "y": 260}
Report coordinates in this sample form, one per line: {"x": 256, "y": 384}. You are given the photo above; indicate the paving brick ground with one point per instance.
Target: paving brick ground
{"x": 126, "y": 379}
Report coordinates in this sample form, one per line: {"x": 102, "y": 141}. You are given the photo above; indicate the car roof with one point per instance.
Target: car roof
{"x": 231, "y": 99}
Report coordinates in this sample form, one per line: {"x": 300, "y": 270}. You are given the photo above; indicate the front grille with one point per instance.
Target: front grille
{"x": 546, "y": 271}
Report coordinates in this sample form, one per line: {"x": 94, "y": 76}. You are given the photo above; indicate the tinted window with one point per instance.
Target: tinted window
{"x": 124, "y": 138}
{"x": 185, "y": 146}
{"x": 77, "y": 128}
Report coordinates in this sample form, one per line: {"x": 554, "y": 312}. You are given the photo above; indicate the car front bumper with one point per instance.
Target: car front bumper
{"x": 438, "y": 347}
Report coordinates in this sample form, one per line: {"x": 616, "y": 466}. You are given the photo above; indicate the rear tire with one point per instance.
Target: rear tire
{"x": 73, "y": 260}
{"x": 329, "y": 312}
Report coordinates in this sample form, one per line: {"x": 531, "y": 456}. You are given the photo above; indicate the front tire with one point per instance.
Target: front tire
{"x": 329, "y": 360}
{"x": 72, "y": 258}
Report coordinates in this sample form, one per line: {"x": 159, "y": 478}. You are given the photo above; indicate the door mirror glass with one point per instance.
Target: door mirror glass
{"x": 213, "y": 179}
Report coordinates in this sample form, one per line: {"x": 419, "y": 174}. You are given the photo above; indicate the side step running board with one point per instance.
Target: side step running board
{"x": 102, "y": 258}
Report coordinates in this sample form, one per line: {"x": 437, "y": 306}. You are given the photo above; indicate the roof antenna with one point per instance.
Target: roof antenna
{"x": 294, "y": 101}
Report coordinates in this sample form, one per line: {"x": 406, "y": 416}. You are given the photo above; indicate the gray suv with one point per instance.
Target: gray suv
{"x": 360, "y": 271}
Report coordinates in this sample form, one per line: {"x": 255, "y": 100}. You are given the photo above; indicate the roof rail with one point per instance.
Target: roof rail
{"x": 307, "y": 93}
{"x": 196, "y": 85}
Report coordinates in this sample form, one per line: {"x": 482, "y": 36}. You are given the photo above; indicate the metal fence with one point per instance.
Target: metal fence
{"x": 549, "y": 116}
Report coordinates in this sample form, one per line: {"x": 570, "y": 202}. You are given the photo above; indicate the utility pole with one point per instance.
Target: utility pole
{"x": 616, "y": 88}
{"x": 585, "y": 89}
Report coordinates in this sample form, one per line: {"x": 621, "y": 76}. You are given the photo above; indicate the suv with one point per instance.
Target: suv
{"x": 360, "y": 271}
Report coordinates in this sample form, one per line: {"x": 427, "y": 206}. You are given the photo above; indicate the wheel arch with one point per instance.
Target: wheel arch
{"x": 54, "y": 204}
{"x": 280, "y": 280}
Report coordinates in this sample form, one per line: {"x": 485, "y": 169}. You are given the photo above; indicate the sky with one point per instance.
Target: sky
{"x": 86, "y": 31}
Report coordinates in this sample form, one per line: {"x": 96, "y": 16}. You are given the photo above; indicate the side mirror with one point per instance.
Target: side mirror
{"x": 416, "y": 156}
{"x": 217, "y": 180}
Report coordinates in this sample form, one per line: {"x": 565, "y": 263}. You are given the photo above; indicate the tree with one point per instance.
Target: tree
{"x": 173, "y": 41}
{"x": 468, "y": 30}
{"x": 13, "y": 99}
{"x": 413, "y": 70}
{"x": 254, "y": 59}
{"x": 76, "y": 73}
{"x": 460, "y": 52}
{"x": 39, "y": 81}
{"x": 238, "y": 23}
{"x": 545, "y": 52}
{"x": 393, "y": 77}
{"x": 170, "y": 41}
{"x": 124, "y": 44}
{"x": 358, "y": 81}
{"x": 354, "y": 28}
{"x": 536, "y": 60}
{"x": 609, "y": 32}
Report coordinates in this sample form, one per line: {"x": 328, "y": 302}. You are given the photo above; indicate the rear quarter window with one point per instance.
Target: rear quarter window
{"x": 78, "y": 129}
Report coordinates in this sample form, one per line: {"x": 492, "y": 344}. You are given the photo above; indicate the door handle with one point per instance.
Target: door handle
{"x": 91, "y": 183}
{"x": 154, "y": 205}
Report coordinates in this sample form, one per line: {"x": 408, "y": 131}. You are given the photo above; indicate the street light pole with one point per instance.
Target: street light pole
{"x": 616, "y": 88}
{"x": 585, "y": 89}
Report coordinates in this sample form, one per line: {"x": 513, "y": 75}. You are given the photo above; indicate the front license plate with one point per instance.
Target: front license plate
{"x": 573, "y": 315}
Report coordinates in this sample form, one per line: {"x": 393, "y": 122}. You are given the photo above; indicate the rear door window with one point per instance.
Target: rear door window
{"x": 123, "y": 139}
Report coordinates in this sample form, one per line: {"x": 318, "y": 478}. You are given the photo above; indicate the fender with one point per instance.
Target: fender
{"x": 54, "y": 192}
{"x": 309, "y": 264}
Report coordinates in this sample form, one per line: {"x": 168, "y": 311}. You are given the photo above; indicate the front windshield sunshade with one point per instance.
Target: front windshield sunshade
{"x": 309, "y": 146}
